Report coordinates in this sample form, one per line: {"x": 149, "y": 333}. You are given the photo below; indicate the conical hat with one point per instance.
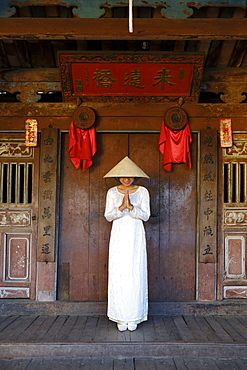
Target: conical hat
{"x": 126, "y": 168}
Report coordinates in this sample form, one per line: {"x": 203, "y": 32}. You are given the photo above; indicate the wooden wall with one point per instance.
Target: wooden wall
{"x": 113, "y": 119}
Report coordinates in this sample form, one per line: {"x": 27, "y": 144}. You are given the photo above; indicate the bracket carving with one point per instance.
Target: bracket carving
{"x": 95, "y": 9}
{"x": 28, "y": 92}
{"x": 230, "y": 92}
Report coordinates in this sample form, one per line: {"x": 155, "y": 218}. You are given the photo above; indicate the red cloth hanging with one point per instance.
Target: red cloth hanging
{"x": 175, "y": 146}
{"x": 82, "y": 146}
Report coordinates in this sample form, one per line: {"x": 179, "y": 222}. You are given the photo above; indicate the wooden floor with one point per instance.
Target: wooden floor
{"x": 93, "y": 342}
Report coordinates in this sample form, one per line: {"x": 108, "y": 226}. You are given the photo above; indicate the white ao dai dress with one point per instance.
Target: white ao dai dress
{"x": 127, "y": 278}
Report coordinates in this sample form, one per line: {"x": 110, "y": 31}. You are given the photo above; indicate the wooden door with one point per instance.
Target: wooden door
{"x": 234, "y": 220}
{"x": 171, "y": 230}
{"x": 19, "y": 168}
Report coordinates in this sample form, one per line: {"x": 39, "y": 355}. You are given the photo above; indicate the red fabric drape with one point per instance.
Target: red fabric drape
{"x": 175, "y": 146}
{"x": 82, "y": 146}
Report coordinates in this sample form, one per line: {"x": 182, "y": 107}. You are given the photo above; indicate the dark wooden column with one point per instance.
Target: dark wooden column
{"x": 48, "y": 213}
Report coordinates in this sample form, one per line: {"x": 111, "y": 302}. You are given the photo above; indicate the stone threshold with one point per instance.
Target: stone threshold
{"x": 28, "y": 307}
{"x": 124, "y": 350}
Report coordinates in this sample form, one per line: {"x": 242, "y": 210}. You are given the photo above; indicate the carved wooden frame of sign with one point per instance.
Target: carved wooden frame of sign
{"x": 137, "y": 77}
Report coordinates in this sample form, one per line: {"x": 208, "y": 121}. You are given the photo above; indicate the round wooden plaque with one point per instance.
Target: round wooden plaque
{"x": 84, "y": 117}
{"x": 176, "y": 118}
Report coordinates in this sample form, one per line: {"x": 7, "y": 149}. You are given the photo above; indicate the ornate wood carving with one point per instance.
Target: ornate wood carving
{"x": 238, "y": 150}
{"x": 235, "y": 217}
{"x": 28, "y": 91}
{"x": 15, "y": 218}
{"x": 12, "y": 292}
{"x": 15, "y": 149}
{"x": 235, "y": 291}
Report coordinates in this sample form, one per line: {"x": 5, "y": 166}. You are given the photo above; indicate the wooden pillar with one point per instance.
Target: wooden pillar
{"x": 207, "y": 215}
{"x": 48, "y": 214}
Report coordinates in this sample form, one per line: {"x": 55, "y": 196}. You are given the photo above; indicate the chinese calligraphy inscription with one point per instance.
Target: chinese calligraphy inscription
{"x": 48, "y": 195}
{"x": 208, "y": 195}
{"x": 122, "y": 77}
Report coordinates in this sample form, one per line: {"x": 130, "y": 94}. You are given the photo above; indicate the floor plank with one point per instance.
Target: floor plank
{"x": 229, "y": 329}
{"x": 56, "y": 326}
{"x": 124, "y": 364}
{"x": 195, "y": 328}
{"x": 102, "y": 364}
{"x": 88, "y": 333}
{"x": 81, "y": 363}
{"x": 66, "y": 328}
{"x": 3, "y": 318}
{"x": 179, "y": 363}
{"x": 173, "y": 333}
{"x": 77, "y": 330}
{"x": 218, "y": 329}
{"x": 149, "y": 333}
{"x": 17, "y": 327}
{"x": 160, "y": 329}
{"x": 200, "y": 364}
{"x": 207, "y": 329}
{"x": 7, "y": 322}
{"x": 19, "y": 364}
{"x": 241, "y": 364}
{"x": 44, "y": 328}
{"x": 33, "y": 329}
{"x": 185, "y": 332}
{"x": 238, "y": 326}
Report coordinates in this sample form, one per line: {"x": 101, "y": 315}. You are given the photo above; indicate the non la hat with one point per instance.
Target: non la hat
{"x": 126, "y": 168}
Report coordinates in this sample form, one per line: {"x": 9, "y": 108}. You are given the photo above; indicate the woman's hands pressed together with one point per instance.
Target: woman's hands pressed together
{"x": 126, "y": 202}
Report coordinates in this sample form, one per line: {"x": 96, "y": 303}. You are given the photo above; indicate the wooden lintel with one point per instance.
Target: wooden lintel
{"x": 116, "y": 110}
{"x": 118, "y": 117}
{"x": 117, "y": 29}
{"x": 120, "y": 124}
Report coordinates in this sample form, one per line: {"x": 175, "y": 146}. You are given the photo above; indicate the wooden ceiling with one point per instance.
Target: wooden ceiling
{"x": 32, "y": 37}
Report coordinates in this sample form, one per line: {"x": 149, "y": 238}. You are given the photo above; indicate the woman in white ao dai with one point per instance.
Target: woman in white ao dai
{"x": 127, "y": 206}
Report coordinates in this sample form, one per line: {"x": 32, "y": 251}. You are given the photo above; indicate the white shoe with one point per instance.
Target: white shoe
{"x": 132, "y": 327}
{"x": 122, "y": 327}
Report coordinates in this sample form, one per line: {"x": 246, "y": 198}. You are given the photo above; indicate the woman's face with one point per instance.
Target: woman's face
{"x": 126, "y": 181}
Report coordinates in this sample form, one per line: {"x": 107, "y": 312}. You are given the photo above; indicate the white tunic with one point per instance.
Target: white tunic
{"x": 127, "y": 279}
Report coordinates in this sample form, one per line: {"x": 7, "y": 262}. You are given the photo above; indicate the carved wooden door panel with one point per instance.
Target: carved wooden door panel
{"x": 84, "y": 232}
{"x": 235, "y": 218}
{"x": 18, "y": 212}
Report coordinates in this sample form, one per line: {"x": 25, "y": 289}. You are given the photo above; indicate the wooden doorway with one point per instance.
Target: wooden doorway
{"x": 19, "y": 170}
{"x": 171, "y": 230}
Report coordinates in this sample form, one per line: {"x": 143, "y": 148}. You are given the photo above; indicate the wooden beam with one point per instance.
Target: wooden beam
{"x": 118, "y": 117}
{"x": 120, "y": 110}
{"x": 117, "y": 29}
{"x": 51, "y": 75}
{"x": 120, "y": 124}
{"x": 231, "y": 82}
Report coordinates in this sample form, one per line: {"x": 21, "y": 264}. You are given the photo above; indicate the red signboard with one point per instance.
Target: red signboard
{"x": 131, "y": 77}
{"x": 225, "y": 132}
{"x": 31, "y": 132}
